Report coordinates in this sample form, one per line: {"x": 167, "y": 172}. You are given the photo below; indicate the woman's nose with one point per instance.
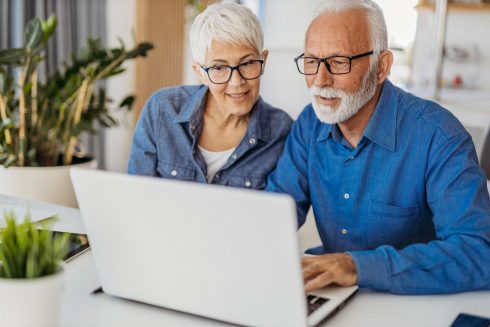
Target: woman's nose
{"x": 236, "y": 79}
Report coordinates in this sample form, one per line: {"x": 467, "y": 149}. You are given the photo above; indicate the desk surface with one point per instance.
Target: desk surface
{"x": 367, "y": 308}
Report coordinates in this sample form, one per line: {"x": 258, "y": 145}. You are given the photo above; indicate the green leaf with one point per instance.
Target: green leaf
{"x": 14, "y": 56}
{"x": 27, "y": 252}
{"x": 33, "y": 34}
{"x": 140, "y": 50}
{"x": 3, "y": 82}
{"x": 48, "y": 27}
{"x": 127, "y": 102}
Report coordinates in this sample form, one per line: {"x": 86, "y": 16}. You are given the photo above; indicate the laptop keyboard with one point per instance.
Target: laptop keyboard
{"x": 314, "y": 302}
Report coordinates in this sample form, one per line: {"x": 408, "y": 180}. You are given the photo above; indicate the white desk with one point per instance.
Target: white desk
{"x": 80, "y": 308}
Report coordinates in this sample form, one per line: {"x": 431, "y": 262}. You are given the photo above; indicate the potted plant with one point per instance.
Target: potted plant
{"x": 41, "y": 120}
{"x": 31, "y": 276}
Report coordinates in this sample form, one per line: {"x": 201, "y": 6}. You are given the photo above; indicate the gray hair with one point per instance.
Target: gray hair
{"x": 374, "y": 16}
{"x": 225, "y": 22}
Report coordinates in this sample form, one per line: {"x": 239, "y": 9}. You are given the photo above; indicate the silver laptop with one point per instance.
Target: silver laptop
{"x": 220, "y": 252}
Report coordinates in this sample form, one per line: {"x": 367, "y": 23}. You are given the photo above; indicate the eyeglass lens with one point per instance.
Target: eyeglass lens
{"x": 247, "y": 70}
{"x": 335, "y": 65}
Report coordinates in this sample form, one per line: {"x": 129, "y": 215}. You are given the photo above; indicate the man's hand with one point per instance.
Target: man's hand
{"x": 335, "y": 268}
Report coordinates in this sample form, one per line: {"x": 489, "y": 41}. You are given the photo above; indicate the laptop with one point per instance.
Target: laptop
{"x": 224, "y": 253}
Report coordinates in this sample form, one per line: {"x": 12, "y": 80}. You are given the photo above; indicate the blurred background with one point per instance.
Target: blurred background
{"x": 464, "y": 81}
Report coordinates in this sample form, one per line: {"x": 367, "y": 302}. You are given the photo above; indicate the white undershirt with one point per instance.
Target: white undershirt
{"x": 215, "y": 160}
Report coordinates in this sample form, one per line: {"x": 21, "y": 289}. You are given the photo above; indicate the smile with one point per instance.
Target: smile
{"x": 238, "y": 95}
{"x": 326, "y": 100}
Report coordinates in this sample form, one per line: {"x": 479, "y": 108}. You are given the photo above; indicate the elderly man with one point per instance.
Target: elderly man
{"x": 400, "y": 202}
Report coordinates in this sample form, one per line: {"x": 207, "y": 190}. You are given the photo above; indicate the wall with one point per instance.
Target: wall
{"x": 118, "y": 140}
{"x": 285, "y": 23}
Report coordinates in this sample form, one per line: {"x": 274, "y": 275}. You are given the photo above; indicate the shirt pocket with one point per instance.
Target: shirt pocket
{"x": 173, "y": 171}
{"x": 252, "y": 182}
{"x": 391, "y": 224}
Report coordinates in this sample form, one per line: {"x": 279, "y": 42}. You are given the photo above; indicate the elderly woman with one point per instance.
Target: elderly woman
{"x": 220, "y": 132}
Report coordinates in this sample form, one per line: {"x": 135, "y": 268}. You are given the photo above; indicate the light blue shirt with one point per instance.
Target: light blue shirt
{"x": 165, "y": 142}
{"x": 409, "y": 203}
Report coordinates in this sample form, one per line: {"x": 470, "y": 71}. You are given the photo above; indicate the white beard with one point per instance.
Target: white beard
{"x": 350, "y": 103}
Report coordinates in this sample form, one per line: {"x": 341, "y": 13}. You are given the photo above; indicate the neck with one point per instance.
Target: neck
{"x": 220, "y": 118}
{"x": 353, "y": 128}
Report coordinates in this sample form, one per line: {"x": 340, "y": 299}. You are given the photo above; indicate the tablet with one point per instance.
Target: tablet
{"x": 77, "y": 244}
{"x": 469, "y": 320}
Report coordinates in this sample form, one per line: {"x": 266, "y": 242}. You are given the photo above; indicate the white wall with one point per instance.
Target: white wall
{"x": 285, "y": 23}
{"x": 121, "y": 19}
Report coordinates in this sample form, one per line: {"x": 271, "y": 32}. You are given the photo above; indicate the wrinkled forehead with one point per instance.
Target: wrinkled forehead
{"x": 339, "y": 32}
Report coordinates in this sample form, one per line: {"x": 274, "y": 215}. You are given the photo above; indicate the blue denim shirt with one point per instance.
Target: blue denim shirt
{"x": 167, "y": 134}
{"x": 409, "y": 203}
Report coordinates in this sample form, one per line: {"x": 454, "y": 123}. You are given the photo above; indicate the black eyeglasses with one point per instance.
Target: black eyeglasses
{"x": 335, "y": 64}
{"x": 221, "y": 74}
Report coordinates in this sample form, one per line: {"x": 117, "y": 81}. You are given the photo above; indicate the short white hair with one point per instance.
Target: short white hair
{"x": 227, "y": 22}
{"x": 374, "y": 16}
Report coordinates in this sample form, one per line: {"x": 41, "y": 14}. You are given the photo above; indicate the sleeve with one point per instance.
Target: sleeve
{"x": 459, "y": 259}
{"x": 290, "y": 175}
{"x": 143, "y": 154}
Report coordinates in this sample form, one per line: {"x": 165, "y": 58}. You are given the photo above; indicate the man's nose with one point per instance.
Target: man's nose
{"x": 323, "y": 77}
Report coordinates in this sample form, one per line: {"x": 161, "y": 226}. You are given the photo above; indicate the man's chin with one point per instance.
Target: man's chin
{"x": 325, "y": 114}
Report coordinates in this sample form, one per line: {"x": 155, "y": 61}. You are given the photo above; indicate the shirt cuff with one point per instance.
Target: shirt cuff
{"x": 372, "y": 270}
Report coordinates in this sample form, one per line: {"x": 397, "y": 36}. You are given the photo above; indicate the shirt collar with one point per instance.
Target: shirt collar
{"x": 192, "y": 112}
{"x": 258, "y": 127}
{"x": 325, "y": 132}
{"x": 381, "y": 128}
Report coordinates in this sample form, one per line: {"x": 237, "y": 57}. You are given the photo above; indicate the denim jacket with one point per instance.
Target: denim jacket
{"x": 167, "y": 134}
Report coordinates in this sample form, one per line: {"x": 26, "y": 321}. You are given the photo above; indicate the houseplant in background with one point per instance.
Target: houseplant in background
{"x": 42, "y": 120}
{"x": 31, "y": 276}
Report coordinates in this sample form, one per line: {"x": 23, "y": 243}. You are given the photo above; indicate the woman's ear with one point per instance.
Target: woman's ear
{"x": 265, "y": 53}
{"x": 200, "y": 74}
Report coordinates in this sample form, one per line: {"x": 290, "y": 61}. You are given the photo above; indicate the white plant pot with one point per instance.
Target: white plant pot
{"x": 48, "y": 184}
{"x": 31, "y": 302}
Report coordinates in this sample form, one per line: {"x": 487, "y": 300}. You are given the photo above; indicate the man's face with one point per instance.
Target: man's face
{"x": 336, "y": 98}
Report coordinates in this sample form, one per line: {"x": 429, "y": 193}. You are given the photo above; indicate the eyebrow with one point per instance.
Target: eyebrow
{"x": 332, "y": 55}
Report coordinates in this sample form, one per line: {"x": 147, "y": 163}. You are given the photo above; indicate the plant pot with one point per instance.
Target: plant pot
{"x": 48, "y": 184}
{"x": 31, "y": 302}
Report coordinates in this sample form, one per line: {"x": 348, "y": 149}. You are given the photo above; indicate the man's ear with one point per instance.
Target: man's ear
{"x": 385, "y": 61}
{"x": 200, "y": 73}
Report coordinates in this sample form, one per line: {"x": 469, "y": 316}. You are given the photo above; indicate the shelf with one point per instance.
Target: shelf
{"x": 456, "y": 6}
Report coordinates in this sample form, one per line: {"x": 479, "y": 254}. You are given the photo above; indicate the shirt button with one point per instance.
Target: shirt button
{"x": 193, "y": 127}
{"x": 216, "y": 176}
{"x": 248, "y": 183}
{"x": 233, "y": 156}
{"x": 173, "y": 172}
{"x": 346, "y": 196}
{"x": 251, "y": 141}
{"x": 344, "y": 231}
{"x": 352, "y": 158}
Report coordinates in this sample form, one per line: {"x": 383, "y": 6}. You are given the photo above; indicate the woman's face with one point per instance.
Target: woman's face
{"x": 238, "y": 95}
